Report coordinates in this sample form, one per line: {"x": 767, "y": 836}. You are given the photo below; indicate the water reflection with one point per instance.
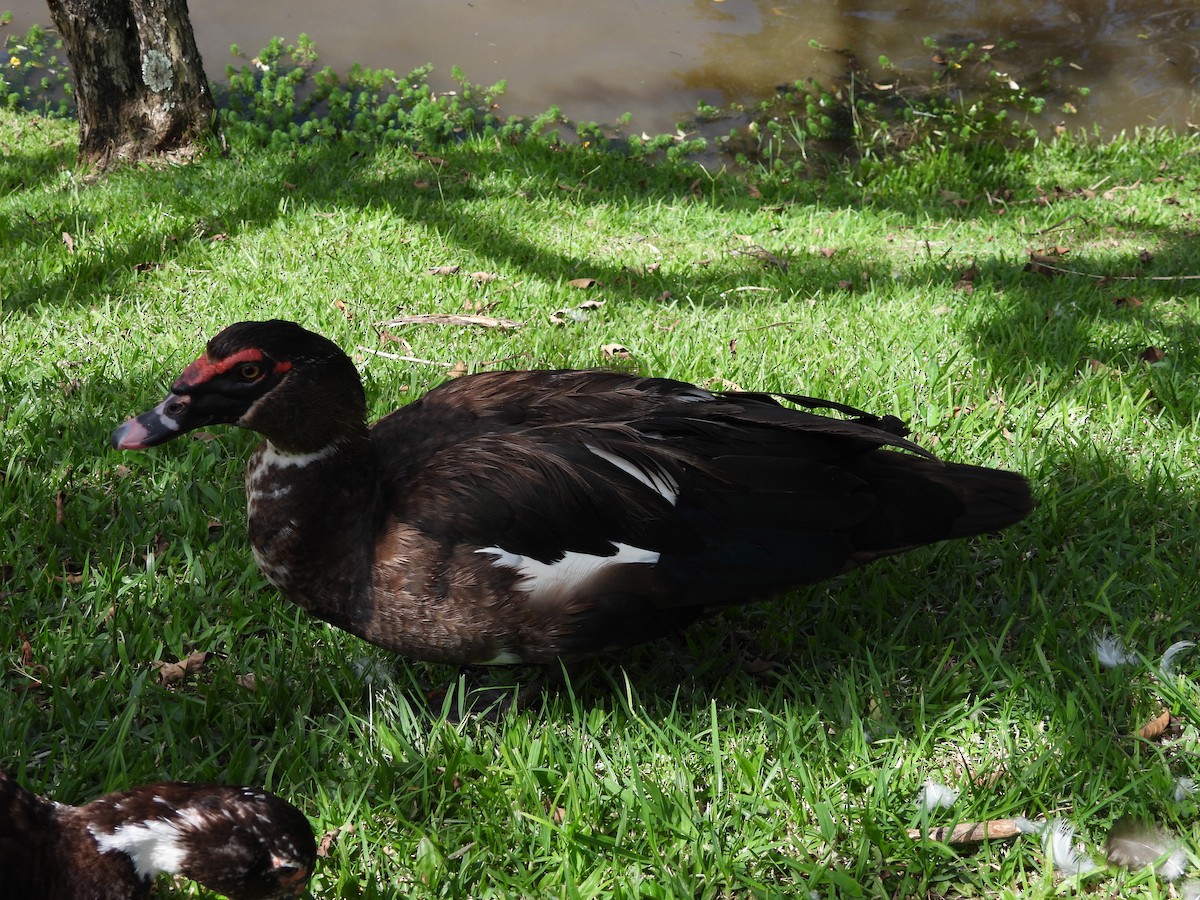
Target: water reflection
{"x": 656, "y": 59}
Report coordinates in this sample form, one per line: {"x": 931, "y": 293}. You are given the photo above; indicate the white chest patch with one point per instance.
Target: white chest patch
{"x": 274, "y": 458}
{"x": 570, "y": 572}
{"x": 153, "y": 846}
{"x": 654, "y": 478}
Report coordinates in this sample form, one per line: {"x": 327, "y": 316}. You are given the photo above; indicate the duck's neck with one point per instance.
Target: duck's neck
{"x": 311, "y": 518}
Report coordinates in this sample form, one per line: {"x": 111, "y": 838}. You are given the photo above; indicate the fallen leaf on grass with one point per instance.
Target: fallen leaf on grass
{"x": 432, "y": 160}
{"x": 583, "y": 283}
{"x": 616, "y": 351}
{"x": 574, "y": 313}
{"x": 458, "y": 370}
{"x": 1152, "y": 355}
{"x": 1043, "y": 264}
{"x": 1154, "y": 729}
{"x": 1127, "y": 302}
{"x": 172, "y": 673}
{"x": 454, "y": 319}
{"x": 69, "y": 241}
{"x": 252, "y": 682}
{"x": 443, "y": 270}
{"x": 343, "y": 309}
{"x": 483, "y": 277}
{"x": 330, "y": 838}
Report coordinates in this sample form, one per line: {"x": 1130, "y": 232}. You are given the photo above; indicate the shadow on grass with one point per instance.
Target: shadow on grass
{"x": 229, "y": 197}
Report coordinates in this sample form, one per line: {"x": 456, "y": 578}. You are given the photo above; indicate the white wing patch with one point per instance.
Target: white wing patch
{"x": 568, "y": 573}
{"x": 655, "y": 478}
{"x": 154, "y": 846}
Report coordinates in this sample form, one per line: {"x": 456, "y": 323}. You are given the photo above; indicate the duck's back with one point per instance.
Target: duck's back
{"x": 630, "y": 505}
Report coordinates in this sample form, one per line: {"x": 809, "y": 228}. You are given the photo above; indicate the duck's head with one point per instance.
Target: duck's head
{"x": 296, "y": 388}
{"x": 244, "y": 843}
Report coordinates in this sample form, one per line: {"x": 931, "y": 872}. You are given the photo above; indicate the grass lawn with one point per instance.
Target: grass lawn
{"x": 776, "y": 750}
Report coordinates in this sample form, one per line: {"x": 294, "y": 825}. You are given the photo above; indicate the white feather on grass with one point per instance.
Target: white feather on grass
{"x": 933, "y": 795}
{"x": 1190, "y": 890}
{"x": 1184, "y": 788}
{"x": 1058, "y": 842}
{"x": 1028, "y": 826}
{"x": 1111, "y": 651}
{"x": 1135, "y": 845}
{"x": 1166, "y": 665}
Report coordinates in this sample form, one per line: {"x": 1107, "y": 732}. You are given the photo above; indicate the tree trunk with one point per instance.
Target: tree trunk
{"x": 139, "y": 79}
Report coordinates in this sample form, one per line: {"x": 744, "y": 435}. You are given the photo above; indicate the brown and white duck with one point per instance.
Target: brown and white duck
{"x": 524, "y": 516}
{"x": 243, "y": 843}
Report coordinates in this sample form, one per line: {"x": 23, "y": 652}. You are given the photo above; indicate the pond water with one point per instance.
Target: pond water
{"x": 656, "y": 59}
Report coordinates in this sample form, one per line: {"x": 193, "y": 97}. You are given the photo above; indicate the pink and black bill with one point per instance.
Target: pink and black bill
{"x": 209, "y": 392}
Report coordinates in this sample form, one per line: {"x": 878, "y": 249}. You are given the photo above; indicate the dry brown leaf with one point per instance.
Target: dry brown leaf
{"x": 574, "y": 313}
{"x": 454, "y": 319}
{"x": 172, "y": 673}
{"x": 1127, "y": 302}
{"x": 421, "y": 184}
{"x": 616, "y": 351}
{"x": 484, "y": 277}
{"x": 1043, "y": 264}
{"x": 330, "y": 838}
{"x": 583, "y": 283}
{"x": 215, "y": 528}
{"x": 458, "y": 370}
{"x": 1152, "y": 355}
{"x": 249, "y": 682}
{"x": 69, "y": 241}
{"x": 1154, "y": 729}
{"x": 204, "y": 436}
{"x": 343, "y": 309}
{"x": 443, "y": 270}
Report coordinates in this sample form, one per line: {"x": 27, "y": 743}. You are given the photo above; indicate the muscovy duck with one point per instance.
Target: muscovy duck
{"x": 525, "y": 516}
{"x": 243, "y": 843}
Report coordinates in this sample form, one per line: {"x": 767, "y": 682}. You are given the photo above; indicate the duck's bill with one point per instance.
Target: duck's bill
{"x": 171, "y": 418}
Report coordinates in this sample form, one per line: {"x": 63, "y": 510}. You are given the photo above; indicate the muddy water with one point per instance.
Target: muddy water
{"x": 655, "y": 59}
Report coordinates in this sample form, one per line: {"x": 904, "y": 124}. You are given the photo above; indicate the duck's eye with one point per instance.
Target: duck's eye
{"x": 249, "y": 371}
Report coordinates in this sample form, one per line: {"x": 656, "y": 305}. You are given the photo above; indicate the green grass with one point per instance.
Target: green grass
{"x": 775, "y": 750}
